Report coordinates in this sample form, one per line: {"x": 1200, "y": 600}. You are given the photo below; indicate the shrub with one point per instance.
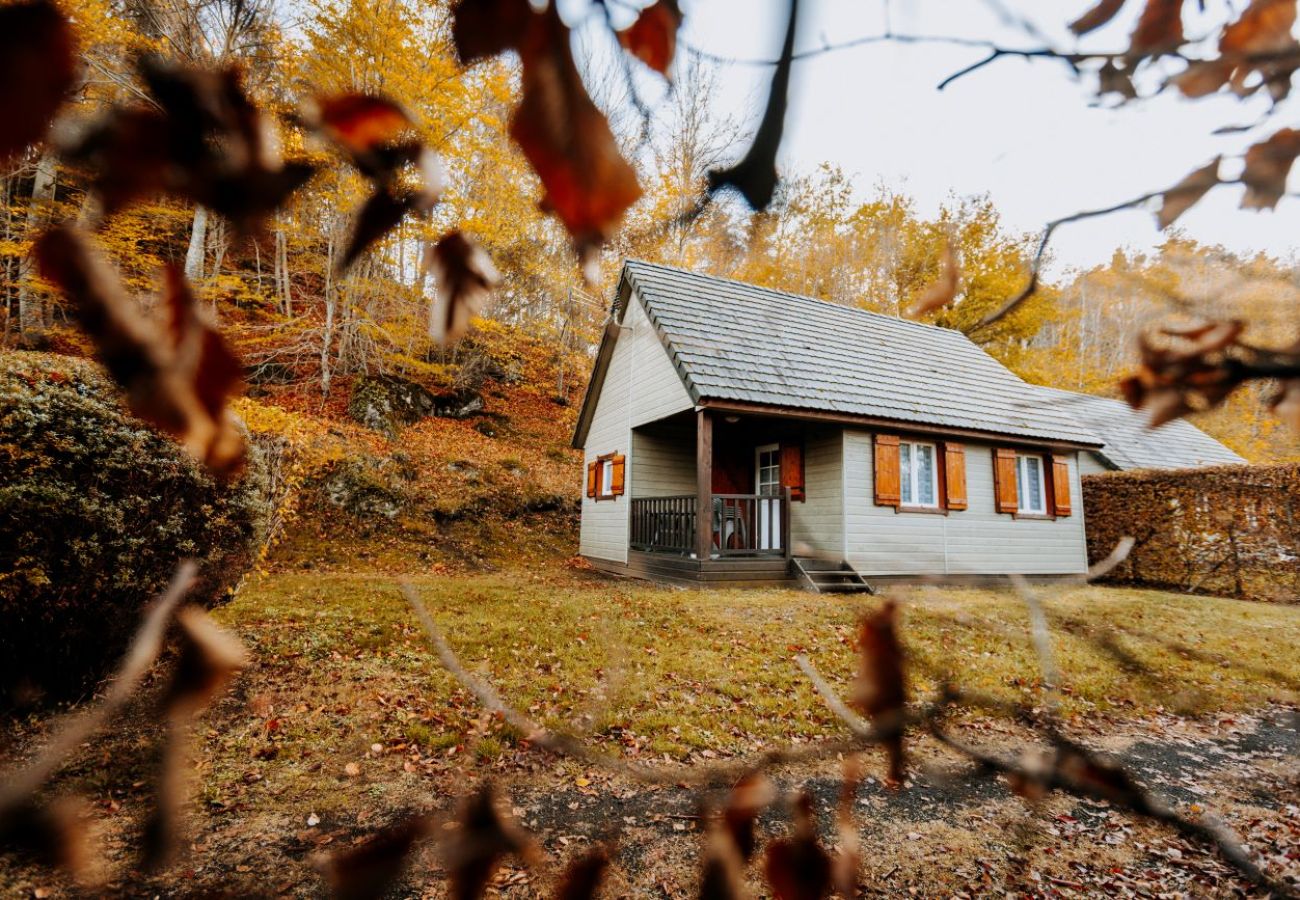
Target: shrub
{"x": 1229, "y": 530}
{"x": 96, "y": 509}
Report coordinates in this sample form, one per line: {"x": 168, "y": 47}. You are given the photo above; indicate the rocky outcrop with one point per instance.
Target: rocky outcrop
{"x": 388, "y": 402}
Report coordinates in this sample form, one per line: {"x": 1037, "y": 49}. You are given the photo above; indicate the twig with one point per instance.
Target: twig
{"x": 855, "y": 722}
{"x": 1122, "y": 549}
{"x": 1042, "y": 638}
{"x": 140, "y": 656}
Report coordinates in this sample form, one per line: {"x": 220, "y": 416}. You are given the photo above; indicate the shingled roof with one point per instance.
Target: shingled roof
{"x": 1130, "y": 444}
{"x": 737, "y": 342}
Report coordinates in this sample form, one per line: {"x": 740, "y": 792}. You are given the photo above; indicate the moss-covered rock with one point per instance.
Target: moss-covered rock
{"x": 96, "y": 510}
{"x": 387, "y": 402}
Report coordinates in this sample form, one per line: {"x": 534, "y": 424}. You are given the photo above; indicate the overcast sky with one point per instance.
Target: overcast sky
{"x": 1030, "y": 134}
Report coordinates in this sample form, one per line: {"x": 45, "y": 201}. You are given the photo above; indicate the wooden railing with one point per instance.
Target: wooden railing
{"x": 743, "y": 524}
{"x": 664, "y": 524}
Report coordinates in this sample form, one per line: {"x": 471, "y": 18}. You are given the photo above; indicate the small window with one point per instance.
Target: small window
{"x": 606, "y": 478}
{"x": 918, "y": 474}
{"x": 1029, "y": 484}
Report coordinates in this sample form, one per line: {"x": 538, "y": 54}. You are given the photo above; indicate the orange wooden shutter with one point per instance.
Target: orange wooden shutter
{"x": 1061, "y": 484}
{"x": 593, "y": 476}
{"x": 886, "y": 470}
{"x": 619, "y": 462}
{"x": 792, "y": 470}
{"x": 954, "y": 471}
{"x": 1004, "y": 480}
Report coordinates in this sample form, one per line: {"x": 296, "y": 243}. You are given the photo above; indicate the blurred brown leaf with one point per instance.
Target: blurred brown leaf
{"x": 1197, "y": 373}
{"x": 567, "y": 140}
{"x": 483, "y": 28}
{"x": 486, "y": 834}
{"x": 751, "y": 795}
{"x": 942, "y": 290}
{"x": 1099, "y": 15}
{"x": 360, "y": 122}
{"x": 1159, "y": 29}
{"x": 1184, "y": 195}
{"x": 880, "y": 689}
{"x": 205, "y": 141}
{"x": 380, "y": 214}
{"x": 1268, "y": 164}
{"x": 797, "y": 867}
{"x": 179, "y": 379}
{"x": 1286, "y": 403}
{"x": 55, "y": 834}
{"x": 582, "y": 877}
{"x": 373, "y": 867}
{"x": 463, "y": 277}
{"x": 652, "y": 38}
{"x": 38, "y": 68}
{"x": 209, "y": 657}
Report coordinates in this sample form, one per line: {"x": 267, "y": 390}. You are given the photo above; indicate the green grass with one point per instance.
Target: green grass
{"x": 676, "y": 672}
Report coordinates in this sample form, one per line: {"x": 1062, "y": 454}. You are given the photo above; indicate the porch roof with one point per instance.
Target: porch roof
{"x": 741, "y": 343}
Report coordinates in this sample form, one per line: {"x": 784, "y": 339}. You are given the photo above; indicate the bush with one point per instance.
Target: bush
{"x": 1227, "y": 530}
{"x": 96, "y": 509}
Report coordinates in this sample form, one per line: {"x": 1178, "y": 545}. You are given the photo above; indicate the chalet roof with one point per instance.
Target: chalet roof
{"x": 1130, "y": 444}
{"x": 732, "y": 341}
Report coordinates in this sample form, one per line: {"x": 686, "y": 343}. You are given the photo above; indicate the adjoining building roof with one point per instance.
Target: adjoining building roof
{"x": 737, "y": 342}
{"x": 1130, "y": 444}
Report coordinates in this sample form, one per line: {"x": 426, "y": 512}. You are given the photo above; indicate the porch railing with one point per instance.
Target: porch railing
{"x": 743, "y": 524}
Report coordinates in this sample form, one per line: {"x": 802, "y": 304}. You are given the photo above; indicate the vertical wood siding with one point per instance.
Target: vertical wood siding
{"x": 640, "y": 386}
{"x": 974, "y": 541}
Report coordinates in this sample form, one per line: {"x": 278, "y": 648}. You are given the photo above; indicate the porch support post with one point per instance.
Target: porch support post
{"x": 703, "y": 484}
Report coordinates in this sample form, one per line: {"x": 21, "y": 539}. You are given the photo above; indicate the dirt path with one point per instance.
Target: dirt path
{"x": 955, "y": 832}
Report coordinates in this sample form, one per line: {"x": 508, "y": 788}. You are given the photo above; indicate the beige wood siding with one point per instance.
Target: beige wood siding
{"x": 974, "y": 541}
{"x": 817, "y": 524}
{"x": 663, "y": 461}
{"x": 640, "y": 386}
{"x": 1089, "y": 464}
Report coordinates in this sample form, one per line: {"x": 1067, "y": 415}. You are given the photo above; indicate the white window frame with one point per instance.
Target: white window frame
{"x": 910, "y": 480}
{"x": 605, "y": 486}
{"x": 1022, "y": 483}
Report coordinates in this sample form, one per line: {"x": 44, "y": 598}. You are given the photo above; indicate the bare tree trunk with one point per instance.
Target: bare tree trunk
{"x": 327, "y": 332}
{"x": 31, "y": 308}
{"x": 198, "y": 244}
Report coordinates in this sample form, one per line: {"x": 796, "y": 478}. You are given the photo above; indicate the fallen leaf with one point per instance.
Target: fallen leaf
{"x": 352, "y": 770}
{"x": 37, "y": 70}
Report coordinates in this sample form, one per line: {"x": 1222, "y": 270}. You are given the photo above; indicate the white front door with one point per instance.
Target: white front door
{"x": 767, "y": 480}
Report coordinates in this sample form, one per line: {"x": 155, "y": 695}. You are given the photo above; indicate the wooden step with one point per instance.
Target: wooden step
{"x": 830, "y": 577}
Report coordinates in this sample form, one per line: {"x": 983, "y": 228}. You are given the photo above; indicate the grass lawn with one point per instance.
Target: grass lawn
{"x": 345, "y": 719}
{"x": 662, "y": 671}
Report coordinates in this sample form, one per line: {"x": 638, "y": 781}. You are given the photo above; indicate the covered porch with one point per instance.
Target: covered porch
{"x": 709, "y": 486}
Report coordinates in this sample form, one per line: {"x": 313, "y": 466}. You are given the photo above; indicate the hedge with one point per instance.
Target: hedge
{"x": 96, "y": 509}
{"x": 1228, "y": 530}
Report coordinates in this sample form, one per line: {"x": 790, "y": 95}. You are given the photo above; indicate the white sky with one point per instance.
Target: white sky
{"x": 1026, "y": 132}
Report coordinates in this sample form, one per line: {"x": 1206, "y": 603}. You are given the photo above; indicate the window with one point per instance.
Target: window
{"x": 1029, "y": 484}
{"x": 918, "y": 474}
{"x": 606, "y": 478}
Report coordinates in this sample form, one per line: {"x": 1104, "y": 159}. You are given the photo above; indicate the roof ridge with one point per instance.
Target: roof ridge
{"x": 790, "y": 294}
